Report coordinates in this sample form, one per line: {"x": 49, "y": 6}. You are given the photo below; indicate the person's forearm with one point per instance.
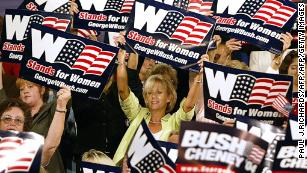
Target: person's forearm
{"x": 122, "y": 77}
{"x": 193, "y": 93}
{"x": 54, "y": 135}
{"x": 133, "y": 61}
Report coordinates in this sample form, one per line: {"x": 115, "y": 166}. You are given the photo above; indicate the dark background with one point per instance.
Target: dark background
{"x": 8, "y": 4}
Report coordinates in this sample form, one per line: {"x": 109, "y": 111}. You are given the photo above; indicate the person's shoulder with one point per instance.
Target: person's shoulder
{"x": 47, "y": 107}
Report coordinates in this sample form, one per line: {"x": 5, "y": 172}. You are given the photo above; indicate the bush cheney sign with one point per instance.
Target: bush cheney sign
{"x": 206, "y": 147}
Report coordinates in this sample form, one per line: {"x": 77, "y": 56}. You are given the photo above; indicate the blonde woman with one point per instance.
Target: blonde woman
{"x": 95, "y": 156}
{"x": 160, "y": 96}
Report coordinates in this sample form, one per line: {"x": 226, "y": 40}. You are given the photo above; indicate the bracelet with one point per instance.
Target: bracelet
{"x": 61, "y": 111}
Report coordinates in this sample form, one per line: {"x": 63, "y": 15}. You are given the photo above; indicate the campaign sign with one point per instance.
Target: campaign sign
{"x": 177, "y": 3}
{"x": 196, "y": 6}
{"x": 16, "y": 28}
{"x": 103, "y": 15}
{"x": 288, "y": 151}
{"x": 207, "y": 148}
{"x": 232, "y": 92}
{"x": 167, "y": 34}
{"x": 258, "y": 22}
{"x": 55, "y": 58}
{"x": 295, "y": 128}
{"x": 55, "y": 6}
{"x": 86, "y": 33}
{"x": 87, "y": 167}
{"x": 269, "y": 133}
{"x": 20, "y": 151}
{"x": 286, "y": 159}
{"x": 171, "y": 149}
{"x": 146, "y": 155}
{"x": 200, "y": 6}
{"x": 295, "y": 104}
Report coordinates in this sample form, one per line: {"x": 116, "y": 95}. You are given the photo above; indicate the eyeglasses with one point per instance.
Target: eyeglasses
{"x": 8, "y": 119}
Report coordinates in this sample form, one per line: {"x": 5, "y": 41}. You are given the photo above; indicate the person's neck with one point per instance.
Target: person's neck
{"x": 36, "y": 108}
{"x": 156, "y": 115}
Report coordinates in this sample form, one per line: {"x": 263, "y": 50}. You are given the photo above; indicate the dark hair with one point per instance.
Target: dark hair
{"x": 9, "y": 103}
{"x": 289, "y": 59}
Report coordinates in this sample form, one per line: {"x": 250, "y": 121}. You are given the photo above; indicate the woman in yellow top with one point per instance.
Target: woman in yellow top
{"x": 160, "y": 96}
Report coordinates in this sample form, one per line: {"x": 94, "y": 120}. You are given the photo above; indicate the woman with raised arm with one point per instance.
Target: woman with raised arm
{"x": 160, "y": 96}
{"x": 47, "y": 119}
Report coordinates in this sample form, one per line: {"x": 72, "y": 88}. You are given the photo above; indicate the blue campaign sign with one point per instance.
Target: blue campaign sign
{"x": 87, "y": 167}
{"x": 288, "y": 155}
{"x": 20, "y": 151}
{"x": 295, "y": 128}
{"x": 199, "y": 6}
{"x": 231, "y": 92}
{"x": 55, "y": 58}
{"x": 183, "y": 4}
{"x": 269, "y": 133}
{"x": 259, "y": 22}
{"x": 171, "y": 149}
{"x": 286, "y": 158}
{"x": 146, "y": 155}
{"x": 103, "y": 15}
{"x": 56, "y": 6}
{"x": 168, "y": 34}
{"x": 16, "y": 28}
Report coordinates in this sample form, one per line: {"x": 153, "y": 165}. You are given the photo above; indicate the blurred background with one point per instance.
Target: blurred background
{"x": 8, "y": 4}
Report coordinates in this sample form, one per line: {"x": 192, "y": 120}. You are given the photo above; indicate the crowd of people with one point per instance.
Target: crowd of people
{"x": 77, "y": 128}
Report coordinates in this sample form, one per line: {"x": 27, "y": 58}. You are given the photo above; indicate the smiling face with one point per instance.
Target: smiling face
{"x": 159, "y": 94}
{"x": 12, "y": 119}
{"x": 157, "y": 98}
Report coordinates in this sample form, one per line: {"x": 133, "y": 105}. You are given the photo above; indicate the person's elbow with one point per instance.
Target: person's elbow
{"x": 188, "y": 107}
{"x": 48, "y": 151}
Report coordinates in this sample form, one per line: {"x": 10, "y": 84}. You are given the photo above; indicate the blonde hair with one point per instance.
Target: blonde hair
{"x": 95, "y": 156}
{"x": 170, "y": 89}
{"x": 237, "y": 64}
{"x": 219, "y": 55}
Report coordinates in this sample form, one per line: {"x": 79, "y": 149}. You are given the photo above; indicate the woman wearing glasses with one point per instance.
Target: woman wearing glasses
{"x": 46, "y": 119}
{"x": 14, "y": 115}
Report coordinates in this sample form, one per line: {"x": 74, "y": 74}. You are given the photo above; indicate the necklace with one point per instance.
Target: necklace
{"x": 155, "y": 122}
